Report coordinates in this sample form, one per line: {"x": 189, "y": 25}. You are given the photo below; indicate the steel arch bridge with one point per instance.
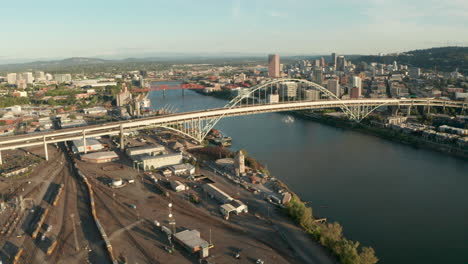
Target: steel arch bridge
{"x": 354, "y": 110}
{"x": 197, "y": 124}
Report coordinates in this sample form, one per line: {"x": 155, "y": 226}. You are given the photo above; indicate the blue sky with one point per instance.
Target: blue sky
{"x": 66, "y": 28}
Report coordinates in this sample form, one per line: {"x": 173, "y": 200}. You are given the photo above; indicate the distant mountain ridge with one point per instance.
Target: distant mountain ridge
{"x": 443, "y": 59}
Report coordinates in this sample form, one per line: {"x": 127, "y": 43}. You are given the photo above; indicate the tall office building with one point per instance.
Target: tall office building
{"x": 11, "y": 78}
{"x": 317, "y": 63}
{"x": 354, "y": 93}
{"x": 311, "y": 95}
{"x": 274, "y": 66}
{"x": 288, "y": 90}
{"x": 333, "y": 57}
{"x": 414, "y": 72}
{"x": 39, "y": 76}
{"x": 49, "y": 77}
{"x": 357, "y": 82}
{"x": 340, "y": 63}
{"x": 28, "y": 77}
{"x": 334, "y": 87}
{"x": 317, "y": 76}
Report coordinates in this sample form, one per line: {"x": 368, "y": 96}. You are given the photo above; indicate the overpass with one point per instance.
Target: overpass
{"x": 197, "y": 124}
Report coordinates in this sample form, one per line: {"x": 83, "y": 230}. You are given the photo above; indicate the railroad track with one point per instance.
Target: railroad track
{"x": 61, "y": 237}
{"x": 148, "y": 256}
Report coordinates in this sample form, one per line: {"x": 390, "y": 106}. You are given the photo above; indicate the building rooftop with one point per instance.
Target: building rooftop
{"x": 148, "y": 157}
{"x": 191, "y": 239}
{"x": 183, "y": 166}
{"x": 89, "y": 142}
{"x": 101, "y": 155}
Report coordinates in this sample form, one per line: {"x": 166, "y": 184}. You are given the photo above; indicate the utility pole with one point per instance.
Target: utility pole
{"x": 74, "y": 232}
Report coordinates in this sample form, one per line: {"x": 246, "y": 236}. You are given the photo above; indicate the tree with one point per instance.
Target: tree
{"x": 51, "y": 101}
{"x": 367, "y": 256}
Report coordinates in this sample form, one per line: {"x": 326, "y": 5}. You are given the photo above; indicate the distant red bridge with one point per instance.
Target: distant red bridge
{"x": 187, "y": 86}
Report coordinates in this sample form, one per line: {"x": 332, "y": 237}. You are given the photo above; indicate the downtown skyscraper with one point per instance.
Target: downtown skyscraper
{"x": 274, "y": 66}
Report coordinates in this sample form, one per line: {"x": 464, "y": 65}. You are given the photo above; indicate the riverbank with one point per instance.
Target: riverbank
{"x": 328, "y": 235}
{"x": 384, "y": 133}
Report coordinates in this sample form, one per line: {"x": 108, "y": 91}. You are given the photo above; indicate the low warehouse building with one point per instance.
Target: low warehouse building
{"x": 191, "y": 240}
{"x": 216, "y": 193}
{"x": 183, "y": 169}
{"x": 91, "y": 145}
{"x": 100, "y": 157}
{"x": 234, "y": 206}
{"x": 160, "y": 161}
{"x": 150, "y": 150}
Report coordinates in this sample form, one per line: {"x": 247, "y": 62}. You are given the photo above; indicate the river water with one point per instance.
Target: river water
{"x": 409, "y": 204}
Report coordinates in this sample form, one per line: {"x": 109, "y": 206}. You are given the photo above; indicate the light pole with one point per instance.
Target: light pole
{"x": 172, "y": 223}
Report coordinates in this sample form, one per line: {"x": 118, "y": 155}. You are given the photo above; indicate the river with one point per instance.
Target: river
{"x": 409, "y": 204}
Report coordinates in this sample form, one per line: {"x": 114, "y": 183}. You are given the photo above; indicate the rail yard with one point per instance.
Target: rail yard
{"x": 114, "y": 209}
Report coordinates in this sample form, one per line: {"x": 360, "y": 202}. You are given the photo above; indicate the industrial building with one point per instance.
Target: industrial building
{"x": 150, "y": 150}
{"x": 100, "y": 157}
{"x": 234, "y": 206}
{"x": 177, "y": 186}
{"x": 92, "y": 144}
{"x": 147, "y": 162}
{"x": 216, "y": 193}
{"x": 182, "y": 169}
{"x": 191, "y": 240}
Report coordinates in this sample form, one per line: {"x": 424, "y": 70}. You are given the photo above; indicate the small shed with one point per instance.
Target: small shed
{"x": 177, "y": 186}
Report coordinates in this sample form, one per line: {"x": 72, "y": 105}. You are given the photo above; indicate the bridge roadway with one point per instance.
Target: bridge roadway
{"x": 119, "y": 127}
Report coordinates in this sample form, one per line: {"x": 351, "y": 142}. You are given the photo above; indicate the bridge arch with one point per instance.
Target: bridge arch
{"x": 356, "y": 113}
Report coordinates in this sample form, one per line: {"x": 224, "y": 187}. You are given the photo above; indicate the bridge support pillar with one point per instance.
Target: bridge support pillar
{"x": 1, "y": 160}
{"x": 164, "y": 92}
{"x": 84, "y": 142}
{"x": 183, "y": 92}
{"x": 45, "y": 150}
{"x": 122, "y": 140}
{"x": 409, "y": 111}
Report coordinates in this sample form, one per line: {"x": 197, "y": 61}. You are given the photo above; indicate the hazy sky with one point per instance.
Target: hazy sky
{"x": 66, "y": 28}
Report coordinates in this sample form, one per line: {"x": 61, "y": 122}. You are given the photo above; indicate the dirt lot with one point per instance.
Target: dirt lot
{"x": 135, "y": 238}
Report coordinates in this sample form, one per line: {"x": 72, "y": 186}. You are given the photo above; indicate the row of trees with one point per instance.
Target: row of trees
{"x": 6, "y": 101}
{"x": 330, "y": 235}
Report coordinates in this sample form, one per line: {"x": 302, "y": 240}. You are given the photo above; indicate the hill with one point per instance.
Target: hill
{"x": 446, "y": 59}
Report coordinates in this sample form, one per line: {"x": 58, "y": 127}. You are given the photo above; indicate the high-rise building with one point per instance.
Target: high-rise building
{"x": 334, "y": 87}
{"x": 354, "y": 93}
{"x": 49, "y": 77}
{"x": 21, "y": 84}
{"x": 274, "y": 66}
{"x": 357, "y": 82}
{"x": 288, "y": 90}
{"x": 39, "y": 76}
{"x": 340, "y": 63}
{"x": 333, "y": 57}
{"x": 414, "y": 72}
{"x": 317, "y": 63}
{"x": 62, "y": 78}
{"x": 317, "y": 76}
{"x": 28, "y": 77}
{"x": 311, "y": 95}
{"x": 11, "y": 78}
{"x": 322, "y": 62}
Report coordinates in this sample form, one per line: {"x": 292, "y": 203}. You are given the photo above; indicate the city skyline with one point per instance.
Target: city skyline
{"x": 118, "y": 29}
